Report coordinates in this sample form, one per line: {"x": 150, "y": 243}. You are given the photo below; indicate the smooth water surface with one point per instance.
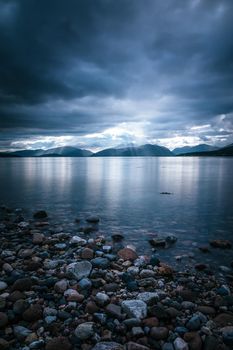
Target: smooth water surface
{"x": 126, "y": 194}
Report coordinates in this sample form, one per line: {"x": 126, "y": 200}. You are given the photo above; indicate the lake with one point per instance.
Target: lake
{"x": 126, "y": 194}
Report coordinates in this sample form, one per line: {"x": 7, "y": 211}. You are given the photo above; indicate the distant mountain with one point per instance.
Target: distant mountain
{"x": 192, "y": 149}
{"x": 225, "y": 151}
{"x": 66, "y": 151}
{"x": 139, "y": 151}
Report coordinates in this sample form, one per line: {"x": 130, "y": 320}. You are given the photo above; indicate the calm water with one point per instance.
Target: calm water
{"x": 125, "y": 193}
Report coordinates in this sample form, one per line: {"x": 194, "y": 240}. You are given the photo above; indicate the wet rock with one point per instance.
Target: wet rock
{"x": 167, "y": 346}
{"x": 224, "y": 319}
{"x": 154, "y": 261}
{"x": 221, "y": 243}
{"x": 180, "y": 344}
{"x": 127, "y": 254}
{"x": 227, "y": 333}
{"x": 61, "y": 286}
{"x": 87, "y": 253}
{"x": 151, "y": 322}
{"x": 38, "y": 238}
{"x": 165, "y": 270}
{"x": 108, "y": 346}
{"x": 3, "y": 286}
{"x": 206, "y": 310}
{"x": 76, "y": 240}
{"x": 33, "y": 313}
{"x": 79, "y": 269}
{"x": 194, "y": 340}
{"x": 93, "y": 219}
{"x": 73, "y": 295}
{"x": 4, "y": 345}
{"x": 21, "y": 332}
{"x": 102, "y": 299}
{"x": 59, "y": 343}
{"x": 40, "y": 214}
{"x": 101, "y": 263}
{"x": 159, "y": 333}
{"x": 20, "y": 306}
{"x": 194, "y": 323}
{"x": 117, "y": 237}
{"x": 148, "y": 297}
{"x": 211, "y": 343}
{"x": 135, "y": 346}
{"x": 22, "y": 284}
{"x": 135, "y": 308}
{"x": 137, "y": 332}
{"x": 223, "y": 290}
{"x": 155, "y": 242}
{"x": 3, "y": 319}
{"x": 85, "y": 330}
{"x": 114, "y": 311}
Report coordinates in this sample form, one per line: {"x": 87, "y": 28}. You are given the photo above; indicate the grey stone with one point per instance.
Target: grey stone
{"x": 135, "y": 308}
{"x": 79, "y": 269}
{"x": 84, "y": 330}
{"x": 180, "y": 344}
{"x": 148, "y": 297}
{"x": 108, "y": 346}
{"x": 21, "y": 332}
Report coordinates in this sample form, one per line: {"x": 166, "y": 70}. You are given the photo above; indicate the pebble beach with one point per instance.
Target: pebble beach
{"x": 63, "y": 291}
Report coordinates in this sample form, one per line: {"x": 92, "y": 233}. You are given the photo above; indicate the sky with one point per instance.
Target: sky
{"x": 100, "y": 73}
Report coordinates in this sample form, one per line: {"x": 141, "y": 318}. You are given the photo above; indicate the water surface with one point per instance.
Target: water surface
{"x": 126, "y": 194}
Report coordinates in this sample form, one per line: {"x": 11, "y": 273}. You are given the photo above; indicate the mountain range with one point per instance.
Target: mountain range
{"x": 147, "y": 150}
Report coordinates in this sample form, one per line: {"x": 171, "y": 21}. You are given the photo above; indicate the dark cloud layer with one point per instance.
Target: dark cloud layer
{"x": 82, "y": 67}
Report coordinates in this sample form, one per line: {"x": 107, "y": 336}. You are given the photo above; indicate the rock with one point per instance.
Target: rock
{"x": 194, "y": 323}
{"x": 223, "y": 290}
{"x": 135, "y": 308}
{"x": 132, "y": 322}
{"x": 59, "y": 343}
{"x": 3, "y": 319}
{"x": 114, "y": 311}
{"x": 101, "y": 263}
{"x": 145, "y": 273}
{"x": 40, "y": 214}
{"x": 227, "y": 333}
{"x": 21, "y": 332}
{"x": 127, "y": 254}
{"x": 180, "y": 344}
{"x": 85, "y": 284}
{"x": 148, "y": 297}
{"x": 33, "y": 313}
{"x": 4, "y": 345}
{"x": 221, "y": 243}
{"x": 151, "y": 322}
{"x": 73, "y": 295}
{"x": 165, "y": 270}
{"x": 211, "y": 343}
{"x": 102, "y": 299}
{"x": 3, "y": 286}
{"x": 224, "y": 319}
{"x": 38, "y": 238}
{"x": 107, "y": 249}
{"x": 137, "y": 332}
{"x": 167, "y": 346}
{"x": 60, "y": 246}
{"x": 108, "y": 346}
{"x": 159, "y": 333}
{"x": 76, "y": 240}
{"x": 87, "y": 253}
{"x": 79, "y": 269}
{"x": 25, "y": 253}
{"x": 93, "y": 219}
{"x": 22, "y": 284}
{"x": 155, "y": 242}
{"x": 135, "y": 346}
{"x": 20, "y": 306}
{"x": 154, "y": 261}
{"x": 206, "y": 310}
{"x": 7, "y": 268}
{"x": 171, "y": 239}
{"x": 61, "y": 286}
{"x": 85, "y": 330}
{"x": 194, "y": 340}
{"x": 117, "y": 237}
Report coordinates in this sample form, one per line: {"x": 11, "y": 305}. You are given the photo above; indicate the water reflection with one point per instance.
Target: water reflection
{"x": 125, "y": 192}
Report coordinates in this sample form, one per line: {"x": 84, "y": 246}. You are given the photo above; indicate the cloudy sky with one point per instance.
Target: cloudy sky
{"x": 99, "y": 73}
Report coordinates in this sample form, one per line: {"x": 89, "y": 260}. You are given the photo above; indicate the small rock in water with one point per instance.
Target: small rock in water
{"x": 127, "y": 254}
{"x": 221, "y": 243}
{"x": 40, "y": 214}
{"x": 93, "y": 219}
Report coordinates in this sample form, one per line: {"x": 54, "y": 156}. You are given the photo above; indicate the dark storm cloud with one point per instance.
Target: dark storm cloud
{"x": 83, "y": 66}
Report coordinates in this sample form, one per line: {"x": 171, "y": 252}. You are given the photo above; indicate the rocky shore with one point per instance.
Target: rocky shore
{"x": 60, "y": 291}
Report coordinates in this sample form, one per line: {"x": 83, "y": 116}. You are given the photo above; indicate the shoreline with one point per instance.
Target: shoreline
{"x": 68, "y": 291}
